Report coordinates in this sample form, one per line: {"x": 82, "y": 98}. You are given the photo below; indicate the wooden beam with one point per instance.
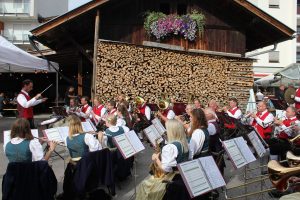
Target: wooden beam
{"x": 67, "y": 17}
{"x": 79, "y": 75}
{"x": 96, "y": 37}
{"x": 80, "y": 48}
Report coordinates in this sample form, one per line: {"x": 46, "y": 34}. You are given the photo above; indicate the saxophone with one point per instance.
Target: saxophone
{"x": 154, "y": 168}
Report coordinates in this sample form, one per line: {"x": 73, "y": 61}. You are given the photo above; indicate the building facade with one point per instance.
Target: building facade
{"x": 285, "y": 53}
{"x": 17, "y": 17}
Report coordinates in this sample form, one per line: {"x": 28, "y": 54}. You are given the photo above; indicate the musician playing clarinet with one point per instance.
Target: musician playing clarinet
{"x": 25, "y": 104}
{"x": 262, "y": 120}
{"x": 85, "y": 111}
{"x": 23, "y": 147}
{"x": 98, "y": 111}
{"x": 279, "y": 144}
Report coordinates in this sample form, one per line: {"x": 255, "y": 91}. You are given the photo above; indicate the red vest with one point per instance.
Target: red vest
{"x": 26, "y": 113}
{"x": 297, "y": 104}
{"x": 165, "y": 112}
{"x": 263, "y": 132}
{"x": 287, "y": 123}
{"x": 231, "y": 125}
{"x": 97, "y": 111}
{"x": 143, "y": 109}
{"x": 84, "y": 109}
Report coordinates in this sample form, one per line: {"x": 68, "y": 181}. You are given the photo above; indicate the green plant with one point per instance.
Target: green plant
{"x": 200, "y": 20}
{"x": 150, "y": 18}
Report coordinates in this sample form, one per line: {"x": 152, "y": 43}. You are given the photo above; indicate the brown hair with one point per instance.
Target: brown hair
{"x": 21, "y": 128}
{"x": 234, "y": 100}
{"x": 125, "y": 114}
{"x": 198, "y": 121}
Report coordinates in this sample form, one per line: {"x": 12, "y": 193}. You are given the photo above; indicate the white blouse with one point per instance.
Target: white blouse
{"x": 211, "y": 127}
{"x": 90, "y": 141}
{"x": 34, "y": 146}
{"x": 121, "y": 122}
{"x": 196, "y": 143}
{"x": 169, "y": 154}
{"x": 171, "y": 114}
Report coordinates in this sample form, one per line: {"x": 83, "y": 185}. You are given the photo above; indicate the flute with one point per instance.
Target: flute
{"x": 58, "y": 143}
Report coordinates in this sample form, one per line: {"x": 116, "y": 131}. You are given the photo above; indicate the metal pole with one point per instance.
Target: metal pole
{"x": 96, "y": 37}
{"x": 56, "y": 89}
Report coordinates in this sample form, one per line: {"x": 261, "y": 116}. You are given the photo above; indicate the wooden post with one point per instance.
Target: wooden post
{"x": 96, "y": 37}
{"x": 79, "y": 75}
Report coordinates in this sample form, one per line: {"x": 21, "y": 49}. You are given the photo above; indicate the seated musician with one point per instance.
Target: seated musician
{"x": 78, "y": 142}
{"x": 167, "y": 113}
{"x": 233, "y": 110}
{"x": 72, "y": 107}
{"x": 175, "y": 152}
{"x": 123, "y": 117}
{"x": 85, "y": 111}
{"x": 198, "y": 135}
{"x": 279, "y": 145}
{"x": 23, "y": 147}
{"x": 212, "y": 104}
{"x": 185, "y": 118}
{"x": 121, "y": 99}
{"x": 262, "y": 120}
{"x": 112, "y": 131}
{"x": 98, "y": 111}
{"x": 141, "y": 116}
{"x": 111, "y": 108}
{"x": 197, "y": 103}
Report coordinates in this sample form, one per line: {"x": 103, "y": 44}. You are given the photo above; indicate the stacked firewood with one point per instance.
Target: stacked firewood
{"x": 154, "y": 73}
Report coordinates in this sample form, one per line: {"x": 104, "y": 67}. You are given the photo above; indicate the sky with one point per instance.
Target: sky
{"x": 76, "y": 3}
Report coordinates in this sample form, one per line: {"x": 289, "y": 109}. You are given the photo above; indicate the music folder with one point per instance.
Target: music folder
{"x": 88, "y": 126}
{"x": 201, "y": 175}
{"x": 153, "y": 135}
{"x": 128, "y": 144}
{"x": 7, "y": 138}
{"x": 257, "y": 144}
{"x": 57, "y": 134}
{"x": 238, "y": 152}
{"x": 158, "y": 125}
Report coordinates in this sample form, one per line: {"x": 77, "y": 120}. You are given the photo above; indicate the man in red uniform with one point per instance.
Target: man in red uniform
{"x": 233, "y": 112}
{"x": 85, "y": 111}
{"x": 25, "y": 103}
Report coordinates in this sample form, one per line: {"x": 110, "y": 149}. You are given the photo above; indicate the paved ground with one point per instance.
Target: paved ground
{"x": 125, "y": 189}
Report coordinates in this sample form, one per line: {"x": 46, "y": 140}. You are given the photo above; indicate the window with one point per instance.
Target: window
{"x": 181, "y": 9}
{"x": 274, "y": 57}
{"x": 21, "y": 32}
{"x": 273, "y": 3}
{"x": 165, "y": 8}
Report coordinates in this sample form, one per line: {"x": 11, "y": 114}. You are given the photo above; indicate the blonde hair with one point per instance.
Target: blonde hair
{"x": 112, "y": 119}
{"x": 75, "y": 126}
{"x": 98, "y": 99}
{"x": 176, "y": 132}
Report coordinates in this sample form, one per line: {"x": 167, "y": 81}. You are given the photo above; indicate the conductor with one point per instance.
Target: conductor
{"x": 25, "y": 103}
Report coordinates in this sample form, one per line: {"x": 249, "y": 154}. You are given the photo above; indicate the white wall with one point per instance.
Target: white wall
{"x": 287, "y": 14}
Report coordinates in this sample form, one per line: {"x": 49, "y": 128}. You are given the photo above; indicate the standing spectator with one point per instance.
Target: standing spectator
{"x": 279, "y": 94}
{"x": 70, "y": 94}
{"x": 1, "y": 103}
{"x": 259, "y": 96}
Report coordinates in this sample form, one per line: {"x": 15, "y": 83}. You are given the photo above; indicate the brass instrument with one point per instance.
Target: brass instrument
{"x": 154, "y": 168}
{"x": 162, "y": 106}
{"x": 294, "y": 139}
{"x": 279, "y": 175}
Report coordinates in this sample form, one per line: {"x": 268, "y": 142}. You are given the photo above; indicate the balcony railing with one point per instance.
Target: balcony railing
{"x": 14, "y": 8}
{"x": 17, "y": 38}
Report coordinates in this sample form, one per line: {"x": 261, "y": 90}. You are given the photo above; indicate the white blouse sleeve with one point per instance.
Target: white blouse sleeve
{"x": 168, "y": 157}
{"x": 171, "y": 114}
{"x": 103, "y": 111}
{"x": 211, "y": 129}
{"x": 126, "y": 129}
{"x": 92, "y": 142}
{"x": 148, "y": 113}
{"x": 121, "y": 122}
{"x": 36, "y": 150}
{"x": 196, "y": 143}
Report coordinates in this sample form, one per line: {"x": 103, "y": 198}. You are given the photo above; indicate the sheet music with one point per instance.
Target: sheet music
{"x": 245, "y": 150}
{"x": 158, "y": 125}
{"x": 234, "y": 153}
{"x": 135, "y": 141}
{"x": 257, "y": 144}
{"x": 87, "y": 127}
{"x": 6, "y": 135}
{"x": 64, "y": 131}
{"x": 53, "y": 134}
{"x": 212, "y": 172}
{"x": 124, "y": 145}
{"x": 195, "y": 178}
{"x": 153, "y": 135}
{"x": 92, "y": 124}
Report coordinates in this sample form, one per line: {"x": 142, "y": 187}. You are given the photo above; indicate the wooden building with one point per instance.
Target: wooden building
{"x": 127, "y": 60}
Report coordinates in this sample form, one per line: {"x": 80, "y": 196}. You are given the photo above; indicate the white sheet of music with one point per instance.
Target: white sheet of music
{"x": 87, "y": 127}
{"x": 195, "y": 178}
{"x": 92, "y": 124}
{"x": 212, "y": 172}
{"x": 158, "y": 125}
{"x": 245, "y": 150}
{"x": 153, "y": 135}
{"x": 124, "y": 145}
{"x": 135, "y": 141}
{"x": 64, "y": 131}
{"x": 6, "y": 135}
{"x": 53, "y": 134}
{"x": 257, "y": 144}
{"x": 234, "y": 153}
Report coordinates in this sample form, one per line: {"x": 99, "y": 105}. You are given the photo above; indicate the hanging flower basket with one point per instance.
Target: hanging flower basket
{"x": 161, "y": 26}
